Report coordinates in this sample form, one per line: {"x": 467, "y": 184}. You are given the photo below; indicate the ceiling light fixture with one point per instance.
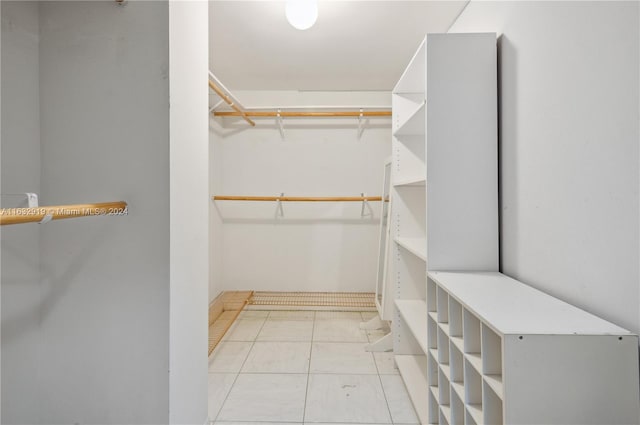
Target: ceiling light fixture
{"x": 302, "y": 14}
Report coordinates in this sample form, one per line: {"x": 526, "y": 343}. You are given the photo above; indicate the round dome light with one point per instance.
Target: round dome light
{"x": 302, "y": 14}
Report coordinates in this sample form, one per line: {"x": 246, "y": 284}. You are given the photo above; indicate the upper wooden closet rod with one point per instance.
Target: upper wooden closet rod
{"x": 316, "y": 114}
{"x": 239, "y": 112}
{"x": 59, "y": 212}
{"x": 299, "y": 198}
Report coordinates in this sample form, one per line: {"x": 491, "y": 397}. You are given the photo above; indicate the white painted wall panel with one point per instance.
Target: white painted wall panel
{"x": 20, "y": 153}
{"x": 569, "y": 102}
{"x": 104, "y": 349}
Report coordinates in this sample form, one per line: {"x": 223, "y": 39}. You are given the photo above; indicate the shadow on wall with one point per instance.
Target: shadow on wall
{"x": 507, "y": 143}
{"x": 52, "y": 287}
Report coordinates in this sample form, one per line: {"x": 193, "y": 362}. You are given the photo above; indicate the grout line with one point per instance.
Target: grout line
{"x": 253, "y": 343}
{"x": 306, "y": 393}
{"x": 384, "y": 393}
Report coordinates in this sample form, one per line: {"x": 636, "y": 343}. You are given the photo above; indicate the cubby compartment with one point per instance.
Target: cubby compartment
{"x": 444, "y": 387}
{"x": 491, "y": 406}
{"x": 412, "y": 271}
{"x": 445, "y": 414}
{"x": 472, "y": 385}
{"x": 492, "y": 359}
{"x": 472, "y": 340}
{"x": 432, "y": 332}
{"x": 432, "y": 371}
{"x": 456, "y": 323}
{"x": 432, "y": 305}
{"x": 456, "y": 370}
{"x": 443, "y": 347}
{"x": 443, "y": 305}
{"x": 457, "y": 409}
{"x": 455, "y": 318}
{"x": 434, "y": 406}
{"x": 469, "y": 418}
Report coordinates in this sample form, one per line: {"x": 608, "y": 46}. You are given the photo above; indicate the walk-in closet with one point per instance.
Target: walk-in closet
{"x": 318, "y": 212}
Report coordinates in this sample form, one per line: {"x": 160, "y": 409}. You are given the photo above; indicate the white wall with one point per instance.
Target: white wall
{"x": 569, "y": 103}
{"x": 20, "y": 153}
{"x": 315, "y": 246}
{"x": 188, "y": 28}
{"x": 104, "y": 347}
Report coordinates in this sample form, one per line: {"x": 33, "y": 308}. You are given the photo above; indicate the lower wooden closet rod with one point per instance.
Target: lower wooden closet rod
{"x": 299, "y": 198}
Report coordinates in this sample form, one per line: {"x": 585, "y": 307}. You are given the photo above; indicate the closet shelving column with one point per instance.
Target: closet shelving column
{"x": 409, "y": 222}
{"x": 445, "y": 210}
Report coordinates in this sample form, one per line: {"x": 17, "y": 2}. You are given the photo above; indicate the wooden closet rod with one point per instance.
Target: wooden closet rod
{"x": 230, "y": 102}
{"x": 59, "y": 212}
{"x": 286, "y": 114}
{"x": 299, "y": 198}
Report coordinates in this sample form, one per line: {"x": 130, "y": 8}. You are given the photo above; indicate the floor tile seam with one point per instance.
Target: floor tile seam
{"x": 238, "y": 374}
{"x": 306, "y": 392}
{"x": 384, "y": 392}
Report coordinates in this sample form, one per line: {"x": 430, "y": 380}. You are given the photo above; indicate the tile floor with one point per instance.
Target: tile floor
{"x": 300, "y": 367}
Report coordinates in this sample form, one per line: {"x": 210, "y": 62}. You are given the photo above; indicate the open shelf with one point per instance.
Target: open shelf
{"x": 432, "y": 371}
{"x": 472, "y": 385}
{"x": 475, "y": 412}
{"x": 444, "y": 389}
{"x": 414, "y": 313}
{"x": 475, "y": 360}
{"x": 431, "y": 296}
{"x": 433, "y": 406}
{"x": 471, "y": 332}
{"x": 455, "y": 318}
{"x": 414, "y": 125}
{"x": 445, "y": 414}
{"x": 416, "y": 246}
{"x": 457, "y": 408}
{"x": 432, "y": 331}
{"x": 491, "y": 352}
{"x": 457, "y": 364}
{"x": 443, "y": 347}
{"x": 410, "y": 181}
{"x": 413, "y": 370}
{"x": 492, "y": 406}
{"x": 495, "y": 382}
{"x": 443, "y": 305}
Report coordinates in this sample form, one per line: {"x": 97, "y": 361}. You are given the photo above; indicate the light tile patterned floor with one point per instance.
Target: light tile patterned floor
{"x": 304, "y": 367}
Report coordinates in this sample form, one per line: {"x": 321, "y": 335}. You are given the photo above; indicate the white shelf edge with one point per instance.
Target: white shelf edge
{"x": 415, "y": 124}
{"x": 446, "y": 411}
{"x": 458, "y": 342}
{"x": 445, "y": 328}
{"x": 476, "y": 412}
{"x": 416, "y": 246}
{"x": 446, "y": 370}
{"x": 411, "y": 370}
{"x": 434, "y": 316}
{"x": 415, "y": 181}
{"x": 495, "y": 382}
{"x": 434, "y": 392}
{"x": 414, "y": 313}
{"x": 458, "y": 387}
{"x": 475, "y": 360}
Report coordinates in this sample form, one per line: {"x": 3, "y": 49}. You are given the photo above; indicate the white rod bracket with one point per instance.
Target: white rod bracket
{"x": 361, "y": 124}
{"x": 365, "y": 205}
{"x": 32, "y": 200}
{"x": 279, "y": 209}
{"x": 214, "y": 107}
{"x": 47, "y": 218}
{"x": 280, "y": 123}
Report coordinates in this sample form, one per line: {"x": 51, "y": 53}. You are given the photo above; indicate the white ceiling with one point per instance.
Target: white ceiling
{"x": 354, "y": 45}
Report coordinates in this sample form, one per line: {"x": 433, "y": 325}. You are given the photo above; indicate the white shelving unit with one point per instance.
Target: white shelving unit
{"x": 444, "y": 179}
{"x": 526, "y": 357}
{"x": 472, "y": 345}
